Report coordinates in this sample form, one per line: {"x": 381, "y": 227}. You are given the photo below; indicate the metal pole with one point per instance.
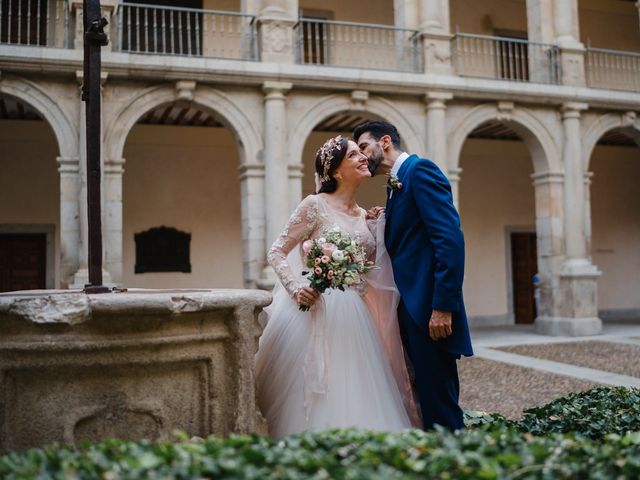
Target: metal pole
{"x": 94, "y": 39}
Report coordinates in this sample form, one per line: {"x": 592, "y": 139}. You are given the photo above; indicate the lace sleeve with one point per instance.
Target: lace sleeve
{"x": 302, "y": 223}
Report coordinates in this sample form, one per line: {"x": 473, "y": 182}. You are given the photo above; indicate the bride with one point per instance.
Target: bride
{"x": 341, "y": 363}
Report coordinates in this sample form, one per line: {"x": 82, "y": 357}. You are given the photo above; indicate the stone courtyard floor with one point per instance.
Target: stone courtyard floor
{"x": 514, "y": 368}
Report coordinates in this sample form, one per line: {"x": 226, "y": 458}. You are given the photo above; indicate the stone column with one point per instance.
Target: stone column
{"x": 112, "y": 217}
{"x": 454, "y": 179}
{"x": 436, "y": 36}
{"x": 437, "y": 128}
{"x": 405, "y": 13}
{"x": 81, "y": 274}
{"x": 540, "y": 21}
{"x": 275, "y": 23}
{"x": 578, "y": 311}
{"x": 567, "y": 37}
{"x": 253, "y": 221}
{"x": 69, "y": 217}
{"x": 276, "y": 167}
{"x": 587, "y": 211}
{"x": 549, "y": 187}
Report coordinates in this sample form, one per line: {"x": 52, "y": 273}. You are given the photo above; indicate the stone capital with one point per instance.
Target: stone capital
{"x": 454, "y": 174}
{"x": 544, "y": 178}
{"x": 573, "y": 109}
{"x": 587, "y": 178}
{"x": 80, "y": 77}
{"x": 251, "y": 170}
{"x": 276, "y": 89}
{"x": 114, "y": 166}
{"x": 68, "y": 165}
{"x": 437, "y": 99}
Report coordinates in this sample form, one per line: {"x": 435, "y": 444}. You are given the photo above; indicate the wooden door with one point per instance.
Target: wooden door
{"x": 524, "y": 262}
{"x": 23, "y": 262}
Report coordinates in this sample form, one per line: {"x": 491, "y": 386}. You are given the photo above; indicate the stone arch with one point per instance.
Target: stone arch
{"x": 63, "y": 128}
{"x": 543, "y": 149}
{"x": 626, "y": 121}
{"x": 330, "y": 105}
{"x": 238, "y": 122}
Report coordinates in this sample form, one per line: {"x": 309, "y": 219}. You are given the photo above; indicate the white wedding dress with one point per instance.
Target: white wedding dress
{"x": 340, "y": 364}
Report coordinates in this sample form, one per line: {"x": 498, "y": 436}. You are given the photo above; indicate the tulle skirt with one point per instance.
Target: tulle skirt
{"x": 326, "y": 368}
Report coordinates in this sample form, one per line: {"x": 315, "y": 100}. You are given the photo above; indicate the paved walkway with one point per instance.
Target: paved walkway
{"x": 498, "y": 380}
{"x": 485, "y": 339}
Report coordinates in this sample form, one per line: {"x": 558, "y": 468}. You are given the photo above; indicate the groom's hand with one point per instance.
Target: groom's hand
{"x": 440, "y": 325}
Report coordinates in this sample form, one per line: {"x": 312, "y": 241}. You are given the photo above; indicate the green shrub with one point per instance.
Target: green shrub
{"x": 593, "y": 413}
{"x": 493, "y": 448}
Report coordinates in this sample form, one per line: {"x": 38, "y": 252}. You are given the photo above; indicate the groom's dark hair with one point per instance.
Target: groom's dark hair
{"x": 378, "y": 129}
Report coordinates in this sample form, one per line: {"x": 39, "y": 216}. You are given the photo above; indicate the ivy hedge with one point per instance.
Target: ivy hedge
{"x": 595, "y": 434}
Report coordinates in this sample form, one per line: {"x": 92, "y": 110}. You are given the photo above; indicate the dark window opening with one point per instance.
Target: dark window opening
{"x": 163, "y": 249}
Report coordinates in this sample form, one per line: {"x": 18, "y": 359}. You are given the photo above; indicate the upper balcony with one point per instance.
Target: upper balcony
{"x": 478, "y": 49}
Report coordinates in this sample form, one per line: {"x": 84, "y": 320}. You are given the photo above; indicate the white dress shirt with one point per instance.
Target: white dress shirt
{"x": 396, "y": 167}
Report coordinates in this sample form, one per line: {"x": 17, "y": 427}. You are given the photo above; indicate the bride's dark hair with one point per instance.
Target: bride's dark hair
{"x": 329, "y": 157}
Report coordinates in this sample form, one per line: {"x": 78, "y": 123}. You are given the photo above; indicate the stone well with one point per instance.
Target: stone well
{"x": 135, "y": 364}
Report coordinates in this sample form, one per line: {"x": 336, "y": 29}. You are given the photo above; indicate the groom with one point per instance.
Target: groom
{"x": 426, "y": 246}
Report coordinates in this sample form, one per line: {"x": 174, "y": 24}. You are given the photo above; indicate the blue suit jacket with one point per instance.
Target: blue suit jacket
{"x": 426, "y": 246}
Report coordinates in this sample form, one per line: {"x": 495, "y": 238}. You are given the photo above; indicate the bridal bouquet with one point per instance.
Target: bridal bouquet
{"x": 335, "y": 261}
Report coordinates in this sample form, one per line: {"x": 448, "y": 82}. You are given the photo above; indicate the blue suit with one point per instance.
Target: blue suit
{"x": 426, "y": 246}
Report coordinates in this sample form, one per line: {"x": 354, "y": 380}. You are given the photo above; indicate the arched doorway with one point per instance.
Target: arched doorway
{"x": 497, "y": 209}
{"x": 29, "y": 198}
{"x": 615, "y": 222}
{"x": 181, "y": 178}
{"x": 506, "y": 150}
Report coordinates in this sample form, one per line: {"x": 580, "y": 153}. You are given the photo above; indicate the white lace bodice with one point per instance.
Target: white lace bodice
{"x": 312, "y": 219}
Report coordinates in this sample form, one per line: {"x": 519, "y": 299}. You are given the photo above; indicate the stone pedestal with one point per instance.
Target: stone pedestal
{"x": 132, "y": 365}
{"x": 578, "y": 315}
{"x": 436, "y": 36}
{"x": 109, "y": 10}
{"x": 275, "y": 24}
{"x": 567, "y": 35}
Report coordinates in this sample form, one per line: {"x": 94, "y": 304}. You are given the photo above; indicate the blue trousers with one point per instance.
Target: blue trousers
{"x": 436, "y": 375}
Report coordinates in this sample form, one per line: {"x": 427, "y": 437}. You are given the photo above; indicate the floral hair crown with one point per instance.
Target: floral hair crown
{"x": 326, "y": 152}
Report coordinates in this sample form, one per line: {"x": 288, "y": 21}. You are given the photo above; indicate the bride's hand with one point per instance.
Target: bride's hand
{"x": 307, "y": 296}
{"x": 374, "y": 213}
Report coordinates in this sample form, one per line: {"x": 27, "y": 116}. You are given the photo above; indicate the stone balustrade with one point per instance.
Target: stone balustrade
{"x": 135, "y": 364}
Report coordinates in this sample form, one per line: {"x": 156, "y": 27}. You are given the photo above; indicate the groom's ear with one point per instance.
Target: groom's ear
{"x": 386, "y": 142}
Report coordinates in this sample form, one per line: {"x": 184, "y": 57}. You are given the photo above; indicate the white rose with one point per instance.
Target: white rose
{"x": 335, "y": 229}
{"x": 338, "y": 255}
{"x": 322, "y": 240}
{"x": 348, "y": 280}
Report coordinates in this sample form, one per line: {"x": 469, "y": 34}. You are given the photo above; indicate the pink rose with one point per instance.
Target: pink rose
{"x": 328, "y": 249}
{"x": 317, "y": 270}
{"x": 306, "y": 246}
{"x": 324, "y": 259}
{"x": 316, "y": 261}
{"x": 399, "y": 185}
{"x": 330, "y": 274}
